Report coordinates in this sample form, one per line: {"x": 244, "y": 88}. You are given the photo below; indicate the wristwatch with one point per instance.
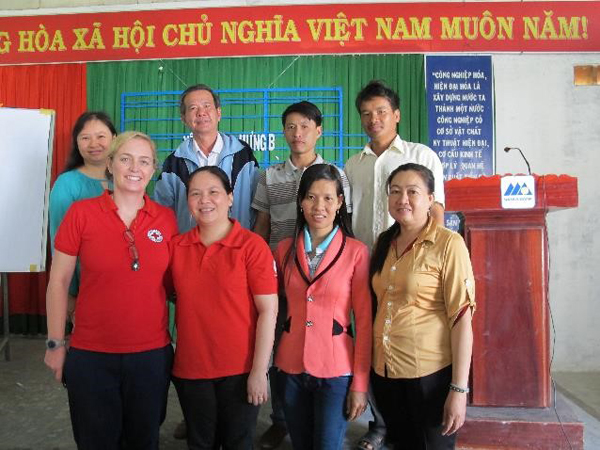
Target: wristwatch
{"x": 53, "y": 344}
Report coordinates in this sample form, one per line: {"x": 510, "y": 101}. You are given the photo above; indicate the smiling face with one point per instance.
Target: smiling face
{"x": 208, "y": 201}
{"x": 93, "y": 142}
{"x": 379, "y": 119}
{"x": 301, "y": 133}
{"x": 409, "y": 199}
{"x": 132, "y": 166}
{"x": 320, "y": 205}
{"x": 201, "y": 115}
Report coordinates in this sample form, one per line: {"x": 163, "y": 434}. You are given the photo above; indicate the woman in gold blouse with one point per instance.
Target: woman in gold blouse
{"x": 423, "y": 281}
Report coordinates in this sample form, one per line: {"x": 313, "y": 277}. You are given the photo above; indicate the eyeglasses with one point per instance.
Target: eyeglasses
{"x": 133, "y": 252}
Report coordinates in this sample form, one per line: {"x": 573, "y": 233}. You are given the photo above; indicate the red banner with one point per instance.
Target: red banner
{"x": 302, "y": 29}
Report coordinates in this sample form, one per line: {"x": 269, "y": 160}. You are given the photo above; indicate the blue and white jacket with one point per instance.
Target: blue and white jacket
{"x": 238, "y": 162}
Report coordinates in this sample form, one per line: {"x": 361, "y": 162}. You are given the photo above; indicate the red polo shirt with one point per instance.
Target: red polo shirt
{"x": 118, "y": 310}
{"x": 215, "y": 311}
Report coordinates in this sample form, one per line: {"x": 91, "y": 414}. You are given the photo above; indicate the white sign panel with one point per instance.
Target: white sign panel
{"x": 518, "y": 192}
{"x": 26, "y": 151}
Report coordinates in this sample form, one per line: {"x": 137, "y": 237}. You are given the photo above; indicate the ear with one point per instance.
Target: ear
{"x": 319, "y": 131}
{"x": 219, "y": 114}
{"x": 230, "y": 195}
{"x": 397, "y": 116}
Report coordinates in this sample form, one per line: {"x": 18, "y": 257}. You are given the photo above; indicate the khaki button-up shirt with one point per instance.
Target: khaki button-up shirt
{"x": 419, "y": 296}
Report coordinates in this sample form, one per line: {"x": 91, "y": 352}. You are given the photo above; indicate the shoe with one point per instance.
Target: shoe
{"x": 273, "y": 437}
{"x": 372, "y": 440}
{"x": 180, "y": 430}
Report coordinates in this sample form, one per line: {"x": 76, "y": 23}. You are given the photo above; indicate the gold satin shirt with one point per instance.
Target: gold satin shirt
{"x": 419, "y": 296}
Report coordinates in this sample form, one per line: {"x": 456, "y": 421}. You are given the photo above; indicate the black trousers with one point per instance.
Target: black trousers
{"x": 217, "y": 411}
{"x": 413, "y": 410}
{"x": 116, "y": 398}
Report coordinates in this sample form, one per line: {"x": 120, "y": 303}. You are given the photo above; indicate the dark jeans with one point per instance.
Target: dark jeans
{"x": 413, "y": 410}
{"x": 117, "y": 398}
{"x": 277, "y": 416}
{"x": 315, "y": 410}
{"x": 217, "y": 410}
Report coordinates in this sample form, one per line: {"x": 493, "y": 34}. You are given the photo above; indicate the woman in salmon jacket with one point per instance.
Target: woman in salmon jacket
{"x": 323, "y": 367}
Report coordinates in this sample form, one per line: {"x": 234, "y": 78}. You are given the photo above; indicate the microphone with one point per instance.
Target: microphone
{"x": 508, "y": 149}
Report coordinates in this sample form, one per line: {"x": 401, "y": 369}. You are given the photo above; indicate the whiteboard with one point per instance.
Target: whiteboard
{"x": 26, "y": 137}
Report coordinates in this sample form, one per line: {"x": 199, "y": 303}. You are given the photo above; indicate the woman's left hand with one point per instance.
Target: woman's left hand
{"x": 455, "y": 411}
{"x": 257, "y": 388}
{"x": 356, "y": 404}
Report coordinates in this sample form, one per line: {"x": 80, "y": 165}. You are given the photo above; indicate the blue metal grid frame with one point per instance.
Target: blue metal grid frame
{"x": 152, "y": 111}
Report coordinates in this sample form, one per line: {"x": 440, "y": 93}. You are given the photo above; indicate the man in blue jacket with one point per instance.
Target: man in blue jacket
{"x": 201, "y": 112}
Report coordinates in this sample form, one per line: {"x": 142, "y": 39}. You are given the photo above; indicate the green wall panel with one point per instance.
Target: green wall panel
{"x": 405, "y": 73}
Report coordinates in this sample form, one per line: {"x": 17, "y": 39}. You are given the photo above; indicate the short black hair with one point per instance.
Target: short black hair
{"x": 377, "y": 88}
{"x": 214, "y": 170}
{"x": 306, "y": 109}
{"x": 424, "y": 172}
{"x": 198, "y": 87}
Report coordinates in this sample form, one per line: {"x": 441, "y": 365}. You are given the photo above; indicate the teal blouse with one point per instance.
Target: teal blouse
{"x": 69, "y": 187}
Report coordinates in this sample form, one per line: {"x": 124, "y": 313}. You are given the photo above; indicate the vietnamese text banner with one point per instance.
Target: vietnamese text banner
{"x": 303, "y": 29}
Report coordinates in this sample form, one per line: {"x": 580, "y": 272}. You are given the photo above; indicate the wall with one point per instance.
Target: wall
{"x": 556, "y": 125}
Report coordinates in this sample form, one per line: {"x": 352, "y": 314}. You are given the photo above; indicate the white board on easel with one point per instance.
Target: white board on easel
{"x": 26, "y": 138}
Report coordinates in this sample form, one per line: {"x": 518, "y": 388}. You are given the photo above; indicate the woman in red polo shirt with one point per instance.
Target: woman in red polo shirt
{"x": 324, "y": 368}
{"x": 226, "y": 286}
{"x": 118, "y": 365}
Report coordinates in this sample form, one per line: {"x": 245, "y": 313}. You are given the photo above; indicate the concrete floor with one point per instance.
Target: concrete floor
{"x": 34, "y": 413}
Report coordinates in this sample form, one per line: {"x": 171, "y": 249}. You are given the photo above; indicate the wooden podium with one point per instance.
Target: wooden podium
{"x": 509, "y": 253}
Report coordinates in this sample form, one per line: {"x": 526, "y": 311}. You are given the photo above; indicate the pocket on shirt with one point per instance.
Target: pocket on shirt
{"x": 428, "y": 292}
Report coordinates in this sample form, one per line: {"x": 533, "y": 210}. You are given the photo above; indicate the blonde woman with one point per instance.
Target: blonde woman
{"x": 117, "y": 367}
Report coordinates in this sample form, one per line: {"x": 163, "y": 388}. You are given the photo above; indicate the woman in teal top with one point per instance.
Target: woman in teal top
{"x": 84, "y": 175}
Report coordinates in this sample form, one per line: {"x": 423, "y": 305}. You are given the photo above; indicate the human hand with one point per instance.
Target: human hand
{"x": 257, "y": 388}
{"x": 455, "y": 411}
{"x": 356, "y": 404}
{"x": 55, "y": 360}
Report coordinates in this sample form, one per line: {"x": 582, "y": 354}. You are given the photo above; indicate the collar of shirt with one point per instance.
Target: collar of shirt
{"x": 429, "y": 233}
{"x": 291, "y": 169}
{"x": 234, "y": 238}
{"x": 396, "y": 145}
{"x": 108, "y": 204}
{"x": 322, "y": 246}
{"x": 214, "y": 153}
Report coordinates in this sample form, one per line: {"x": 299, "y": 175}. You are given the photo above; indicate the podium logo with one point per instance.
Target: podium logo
{"x": 518, "y": 192}
{"x": 517, "y": 189}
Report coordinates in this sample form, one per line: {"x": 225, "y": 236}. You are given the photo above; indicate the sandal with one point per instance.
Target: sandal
{"x": 372, "y": 440}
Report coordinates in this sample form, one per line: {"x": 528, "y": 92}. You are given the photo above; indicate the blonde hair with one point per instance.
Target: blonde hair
{"x": 125, "y": 137}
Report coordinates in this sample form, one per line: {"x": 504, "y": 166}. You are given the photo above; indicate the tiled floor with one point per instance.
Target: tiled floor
{"x": 34, "y": 411}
